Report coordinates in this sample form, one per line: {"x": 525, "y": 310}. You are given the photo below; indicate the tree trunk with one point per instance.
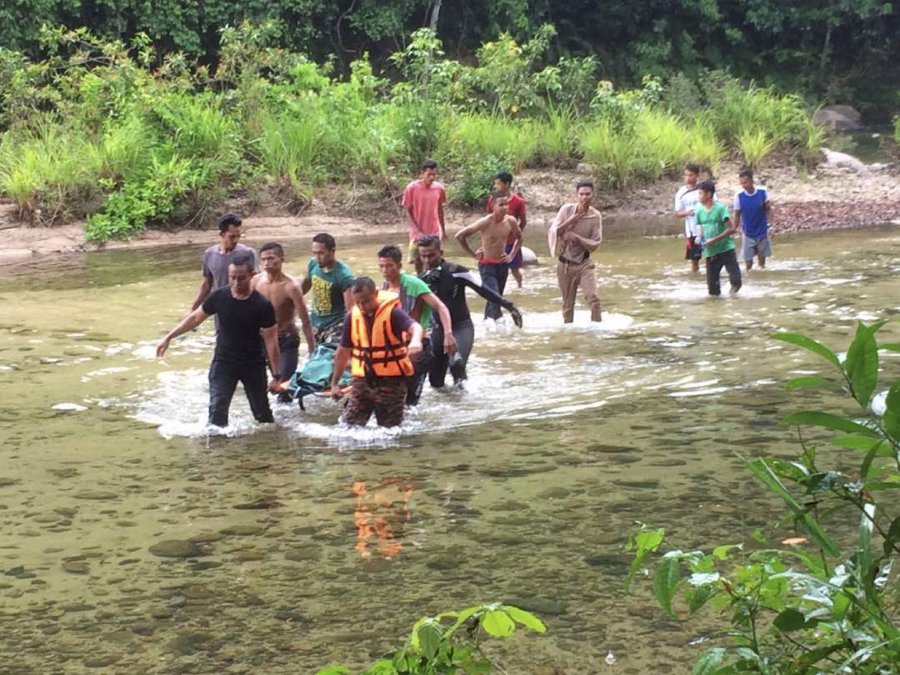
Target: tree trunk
{"x": 435, "y": 13}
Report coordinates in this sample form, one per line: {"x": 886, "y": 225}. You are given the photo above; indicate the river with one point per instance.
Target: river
{"x": 304, "y": 543}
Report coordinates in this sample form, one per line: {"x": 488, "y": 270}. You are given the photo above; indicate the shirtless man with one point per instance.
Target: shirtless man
{"x": 284, "y": 293}
{"x": 493, "y": 260}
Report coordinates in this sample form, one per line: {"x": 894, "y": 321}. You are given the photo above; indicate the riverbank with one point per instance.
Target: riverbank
{"x": 829, "y": 197}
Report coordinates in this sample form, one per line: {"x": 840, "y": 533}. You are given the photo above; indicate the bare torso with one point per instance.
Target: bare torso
{"x": 494, "y": 235}
{"x": 279, "y": 293}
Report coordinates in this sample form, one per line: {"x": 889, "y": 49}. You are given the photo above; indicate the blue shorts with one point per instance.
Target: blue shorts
{"x": 516, "y": 262}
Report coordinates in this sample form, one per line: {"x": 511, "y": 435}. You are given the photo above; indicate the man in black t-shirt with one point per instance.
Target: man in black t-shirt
{"x": 246, "y": 324}
{"x": 448, "y": 281}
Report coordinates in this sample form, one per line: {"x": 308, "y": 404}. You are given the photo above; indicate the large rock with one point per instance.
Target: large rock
{"x": 843, "y": 160}
{"x": 839, "y": 117}
{"x": 529, "y": 257}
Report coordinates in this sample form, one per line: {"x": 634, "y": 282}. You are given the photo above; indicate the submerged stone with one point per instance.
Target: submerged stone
{"x": 242, "y": 530}
{"x": 176, "y": 548}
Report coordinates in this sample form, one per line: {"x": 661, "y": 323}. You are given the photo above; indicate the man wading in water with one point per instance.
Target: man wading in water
{"x": 246, "y": 322}
{"x": 576, "y": 232}
{"x": 448, "y": 281}
{"x": 330, "y": 281}
{"x": 493, "y": 260}
{"x": 216, "y": 259}
{"x": 375, "y": 336}
{"x": 284, "y": 293}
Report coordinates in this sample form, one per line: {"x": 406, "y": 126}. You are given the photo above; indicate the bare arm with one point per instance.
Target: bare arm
{"x": 348, "y": 299}
{"x": 270, "y": 337}
{"x": 414, "y": 347}
{"x": 441, "y": 221}
{"x": 202, "y": 292}
{"x": 463, "y": 235}
{"x": 305, "y": 285}
{"x": 188, "y": 323}
{"x": 491, "y": 296}
{"x": 341, "y": 359}
{"x": 414, "y": 226}
{"x": 769, "y": 213}
{"x": 737, "y": 219}
{"x": 443, "y": 313}
{"x": 517, "y": 244}
{"x": 303, "y": 314}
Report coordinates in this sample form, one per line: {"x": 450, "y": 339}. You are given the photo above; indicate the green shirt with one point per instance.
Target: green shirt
{"x": 327, "y": 306}
{"x": 713, "y": 222}
{"x": 411, "y": 287}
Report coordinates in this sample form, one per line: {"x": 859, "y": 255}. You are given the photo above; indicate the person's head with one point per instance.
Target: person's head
{"x": 501, "y": 203}
{"x": 365, "y": 295}
{"x": 502, "y": 182}
{"x": 230, "y": 230}
{"x": 240, "y": 272}
{"x": 430, "y": 251}
{"x": 707, "y": 191}
{"x": 691, "y": 173}
{"x": 390, "y": 261}
{"x": 745, "y": 176}
{"x": 323, "y": 246}
{"x": 271, "y": 257}
{"x": 428, "y": 174}
{"x": 584, "y": 190}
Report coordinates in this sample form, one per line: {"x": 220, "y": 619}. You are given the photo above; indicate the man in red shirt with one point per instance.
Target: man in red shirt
{"x": 423, "y": 203}
{"x": 516, "y": 208}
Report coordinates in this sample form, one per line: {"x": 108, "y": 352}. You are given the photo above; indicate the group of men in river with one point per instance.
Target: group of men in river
{"x": 417, "y": 326}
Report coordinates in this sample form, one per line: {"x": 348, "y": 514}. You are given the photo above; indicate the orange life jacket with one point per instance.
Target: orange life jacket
{"x": 376, "y": 350}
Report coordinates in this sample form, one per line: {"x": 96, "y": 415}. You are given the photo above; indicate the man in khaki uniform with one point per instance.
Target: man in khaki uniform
{"x": 576, "y": 232}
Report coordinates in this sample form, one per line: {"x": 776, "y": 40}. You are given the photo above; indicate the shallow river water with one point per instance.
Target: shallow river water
{"x": 300, "y": 544}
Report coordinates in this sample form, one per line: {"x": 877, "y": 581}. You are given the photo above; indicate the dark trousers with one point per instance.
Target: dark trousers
{"x": 416, "y": 381}
{"x": 464, "y": 332}
{"x": 714, "y": 265}
{"x": 289, "y": 346}
{"x": 493, "y": 276}
{"x": 223, "y": 379}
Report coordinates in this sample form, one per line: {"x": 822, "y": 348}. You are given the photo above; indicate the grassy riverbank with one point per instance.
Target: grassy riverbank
{"x": 95, "y": 134}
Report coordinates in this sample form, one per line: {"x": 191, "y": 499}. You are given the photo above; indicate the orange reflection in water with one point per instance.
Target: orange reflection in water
{"x": 381, "y": 515}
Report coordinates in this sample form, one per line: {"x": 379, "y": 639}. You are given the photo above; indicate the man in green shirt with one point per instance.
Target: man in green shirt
{"x": 417, "y": 300}
{"x": 330, "y": 281}
{"x": 715, "y": 221}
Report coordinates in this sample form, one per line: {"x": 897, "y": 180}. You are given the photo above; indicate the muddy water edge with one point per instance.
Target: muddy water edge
{"x": 132, "y": 540}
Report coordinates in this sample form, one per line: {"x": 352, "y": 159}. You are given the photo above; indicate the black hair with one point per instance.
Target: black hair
{"x": 392, "y": 252}
{"x": 584, "y": 183}
{"x": 429, "y": 240}
{"x": 244, "y": 259}
{"x": 429, "y": 164}
{"x": 327, "y": 239}
{"x": 505, "y": 176}
{"x": 707, "y": 186}
{"x": 272, "y": 246}
{"x": 692, "y": 167}
{"x": 363, "y": 284}
{"x": 228, "y": 220}
{"x": 497, "y": 194}
{"x": 746, "y": 172}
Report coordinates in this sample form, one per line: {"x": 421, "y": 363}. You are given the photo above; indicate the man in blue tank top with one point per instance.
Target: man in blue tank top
{"x": 752, "y": 213}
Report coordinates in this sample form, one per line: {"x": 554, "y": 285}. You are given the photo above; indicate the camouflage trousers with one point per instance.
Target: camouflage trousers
{"x": 384, "y": 396}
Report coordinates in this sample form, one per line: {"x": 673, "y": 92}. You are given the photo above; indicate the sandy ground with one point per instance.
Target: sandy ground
{"x": 826, "y": 198}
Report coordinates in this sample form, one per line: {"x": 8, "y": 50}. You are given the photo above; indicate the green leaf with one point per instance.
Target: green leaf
{"x": 430, "y": 635}
{"x": 721, "y": 552}
{"x": 890, "y": 346}
{"x": 527, "y": 619}
{"x": 891, "y": 420}
{"x": 840, "y": 604}
{"x": 808, "y": 381}
{"x": 333, "y": 670}
{"x": 381, "y": 667}
{"x": 789, "y": 620}
{"x": 810, "y": 658}
{"x": 709, "y": 662}
{"x": 862, "y": 364}
{"x": 893, "y": 536}
{"x": 699, "y": 597}
{"x": 498, "y": 623}
{"x": 865, "y": 560}
{"x": 818, "y": 418}
{"x": 856, "y": 442}
{"x": 809, "y": 344}
{"x": 760, "y": 469}
{"x": 645, "y": 542}
{"x": 665, "y": 582}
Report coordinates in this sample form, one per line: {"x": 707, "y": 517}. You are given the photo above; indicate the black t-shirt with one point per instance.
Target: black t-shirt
{"x": 238, "y": 339}
{"x": 450, "y": 289}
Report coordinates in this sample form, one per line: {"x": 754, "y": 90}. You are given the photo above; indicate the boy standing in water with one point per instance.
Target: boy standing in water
{"x": 752, "y": 212}
{"x": 685, "y": 207}
{"x": 502, "y": 185}
{"x": 423, "y": 204}
{"x": 715, "y": 223}
{"x": 330, "y": 281}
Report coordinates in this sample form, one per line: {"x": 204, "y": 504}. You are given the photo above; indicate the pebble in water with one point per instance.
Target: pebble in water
{"x": 176, "y": 548}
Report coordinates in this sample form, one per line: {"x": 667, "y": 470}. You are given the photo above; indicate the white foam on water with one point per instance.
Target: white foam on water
{"x": 551, "y": 322}
{"x": 69, "y": 407}
{"x": 102, "y": 372}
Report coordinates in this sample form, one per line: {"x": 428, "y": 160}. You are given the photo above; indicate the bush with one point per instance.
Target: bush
{"x": 791, "y": 609}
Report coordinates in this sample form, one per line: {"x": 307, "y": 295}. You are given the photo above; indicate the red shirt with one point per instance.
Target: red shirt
{"x": 516, "y": 209}
{"x": 424, "y": 204}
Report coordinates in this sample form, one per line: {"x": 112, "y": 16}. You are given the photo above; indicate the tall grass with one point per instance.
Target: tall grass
{"x": 755, "y": 146}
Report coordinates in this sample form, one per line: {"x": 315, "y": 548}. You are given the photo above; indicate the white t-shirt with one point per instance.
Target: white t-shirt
{"x": 687, "y": 199}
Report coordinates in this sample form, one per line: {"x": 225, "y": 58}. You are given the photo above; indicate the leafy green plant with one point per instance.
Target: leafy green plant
{"x": 450, "y": 642}
{"x": 792, "y": 610}
{"x": 755, "y": 146}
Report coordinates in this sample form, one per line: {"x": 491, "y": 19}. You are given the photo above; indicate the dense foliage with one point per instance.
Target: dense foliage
{"x": 842, "y": 50}
{"x": 829, "y": 604}
{"x": 104, "y": 132}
